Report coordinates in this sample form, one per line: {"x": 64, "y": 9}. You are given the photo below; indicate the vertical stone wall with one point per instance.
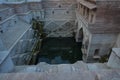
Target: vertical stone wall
{"x": 59, "y": 10}
{"x": 100, "y": 45}
{"x": 19, "y": 8}
{"x": 59, "y": 17}
{"x": 107, "y": 17}
{"x": 35, "y": 5}
{"x": 6, "y": 13}
{"x": 104, "y": 30}
{"x": 36, "y": 9}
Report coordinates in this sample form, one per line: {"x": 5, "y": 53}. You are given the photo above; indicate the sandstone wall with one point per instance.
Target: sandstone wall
{"x": 103, "y": 42}
{"x": 107, "y": 17}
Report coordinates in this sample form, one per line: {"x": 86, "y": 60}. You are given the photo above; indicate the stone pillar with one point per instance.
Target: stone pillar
{"x": 114, "y": 60}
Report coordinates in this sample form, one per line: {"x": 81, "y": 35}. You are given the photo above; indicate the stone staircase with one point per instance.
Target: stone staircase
{"x": 13, "y": 33}
{"x": 62, "y": 31}
{"x": 62, "y": 28}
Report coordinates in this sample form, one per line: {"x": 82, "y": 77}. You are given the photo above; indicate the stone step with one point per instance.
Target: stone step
{"x": 21, "y": 59}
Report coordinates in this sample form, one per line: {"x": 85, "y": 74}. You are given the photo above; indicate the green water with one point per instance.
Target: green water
{"x": 59, "y": 51}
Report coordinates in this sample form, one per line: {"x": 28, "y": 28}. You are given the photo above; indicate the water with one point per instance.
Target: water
{"x": 59, "y": 51}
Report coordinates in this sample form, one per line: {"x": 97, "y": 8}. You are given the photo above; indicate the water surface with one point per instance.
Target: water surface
{"x": 60, "y": 51}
